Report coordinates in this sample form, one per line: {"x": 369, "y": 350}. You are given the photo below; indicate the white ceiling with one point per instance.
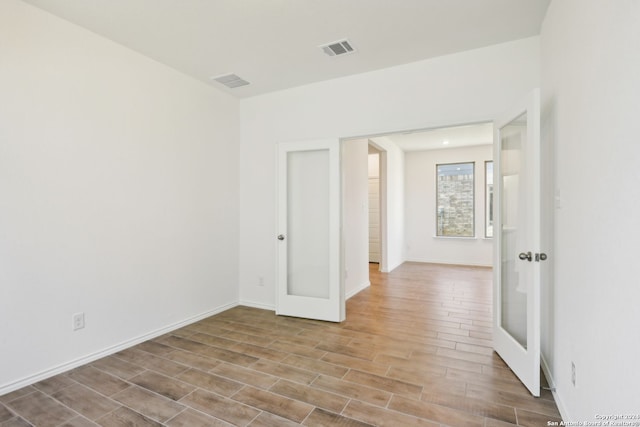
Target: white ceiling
{"x": 443, "y": 138}
{"x": 274, "y": 43}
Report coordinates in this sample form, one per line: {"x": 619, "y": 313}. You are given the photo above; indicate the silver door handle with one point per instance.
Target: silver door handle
{"x": 524, "y": 256}
{"x": 281, "y": 237}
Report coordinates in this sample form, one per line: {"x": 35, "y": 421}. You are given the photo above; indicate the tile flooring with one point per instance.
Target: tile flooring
{"x": 415, "y": 350}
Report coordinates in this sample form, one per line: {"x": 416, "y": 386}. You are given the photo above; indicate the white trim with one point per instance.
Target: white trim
{"x": 360, "y": 288}
{"x": 436, "y": 261}
{"x": 456, "y": 237}
{"x": 547, "y": 372}
{"x": 260, "y": 305}
{"x": 564, "y": 414}
{"x": 391, "y": 268}
{"x": 272, "y": 307}
{"x": 32, "y": 379}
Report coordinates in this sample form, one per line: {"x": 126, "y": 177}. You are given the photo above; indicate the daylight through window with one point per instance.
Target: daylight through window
{"x": 455, "y": 200}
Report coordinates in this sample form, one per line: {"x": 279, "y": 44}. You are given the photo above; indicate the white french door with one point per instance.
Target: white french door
{"x": 516, "y": 325}
{"x": 308, "y": 273}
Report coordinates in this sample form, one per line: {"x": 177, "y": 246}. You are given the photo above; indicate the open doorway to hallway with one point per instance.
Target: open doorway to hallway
{"x": 406, "y": 217}
{"x": 375, "y": 235}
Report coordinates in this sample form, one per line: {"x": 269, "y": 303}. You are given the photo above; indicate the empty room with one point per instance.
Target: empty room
{"x": 185, "y": 215}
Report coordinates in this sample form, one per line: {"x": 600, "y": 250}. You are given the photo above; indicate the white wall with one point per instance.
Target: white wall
{"x": 355, "y": 224}
{"x": 392, "y": 203}
{"x": 119, "y": 196}
{"x": 591, "y": 99}
{"x": 420, "y": 212}
{"x": 472, "y": 86}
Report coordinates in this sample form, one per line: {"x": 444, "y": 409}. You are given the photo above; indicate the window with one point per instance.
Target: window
{"x": 488, "y": 198}
{"x": 455, "y": 200}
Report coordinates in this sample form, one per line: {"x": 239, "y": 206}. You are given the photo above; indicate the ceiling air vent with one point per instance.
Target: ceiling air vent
{"x": 341, "y": 47}
{"x": 230, "y": 80}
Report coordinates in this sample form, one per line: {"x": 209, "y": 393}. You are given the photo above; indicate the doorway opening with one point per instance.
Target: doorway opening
{"x": 375, "y": 235}
{"x": 390, "y": 205}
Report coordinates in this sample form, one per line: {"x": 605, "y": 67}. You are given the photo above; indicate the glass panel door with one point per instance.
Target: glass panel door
{"x": 513, "y": 273}
{"x": 516, "y": 325}
{"x": 308, "y": 223}
{"x": 309, "y": 280}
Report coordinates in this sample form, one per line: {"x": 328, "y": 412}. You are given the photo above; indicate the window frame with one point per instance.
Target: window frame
{"x": 473, "y": 203}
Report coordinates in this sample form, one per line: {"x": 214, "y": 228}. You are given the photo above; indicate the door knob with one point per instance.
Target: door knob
{"x": 543, "y": 257}
{"x": 281, "y": 237}
{"x": 524, "y": 256}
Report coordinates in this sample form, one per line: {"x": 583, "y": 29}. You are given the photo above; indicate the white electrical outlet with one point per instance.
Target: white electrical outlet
{"x": 78, "y": 321}
{"x": 260, "y": 281}
{"x": 573, "y": 374}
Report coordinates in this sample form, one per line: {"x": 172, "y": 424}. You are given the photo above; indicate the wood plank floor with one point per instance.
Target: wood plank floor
{"x": 415, "y": 350}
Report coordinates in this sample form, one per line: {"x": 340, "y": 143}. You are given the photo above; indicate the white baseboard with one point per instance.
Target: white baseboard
{"x": 552, "y": 383}
{"x": 270, "y": 307}
{"x": 259, "y": 305}
{"x": 362, "y": 287}
{"x": 393, "y": 267}
{"x": 435, "y": 261}
{"x": 43, "y": 375}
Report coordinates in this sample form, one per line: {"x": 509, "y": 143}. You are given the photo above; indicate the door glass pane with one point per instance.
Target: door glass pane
{"x": 513, "y": 279}
{"x": 308, "y": 223}
{"x": 488, "y": 198}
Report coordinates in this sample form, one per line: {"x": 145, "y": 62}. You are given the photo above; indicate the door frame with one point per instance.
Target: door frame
{"x": 383, "y": 266}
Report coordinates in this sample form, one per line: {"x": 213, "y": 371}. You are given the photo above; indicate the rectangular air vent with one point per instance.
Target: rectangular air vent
{"x": 230, "y": 80}
{"x": 341, "y": 47}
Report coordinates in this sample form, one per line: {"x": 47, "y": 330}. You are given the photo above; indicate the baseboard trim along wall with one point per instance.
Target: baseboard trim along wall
{"x": 271, "y": 307}
{"x": 435, "y": 261}
{"x": 362, "y": 287}
{"x": 552, "y": 384}
{"x": 259, "y": 305}
{"x": 43, "y": 375}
